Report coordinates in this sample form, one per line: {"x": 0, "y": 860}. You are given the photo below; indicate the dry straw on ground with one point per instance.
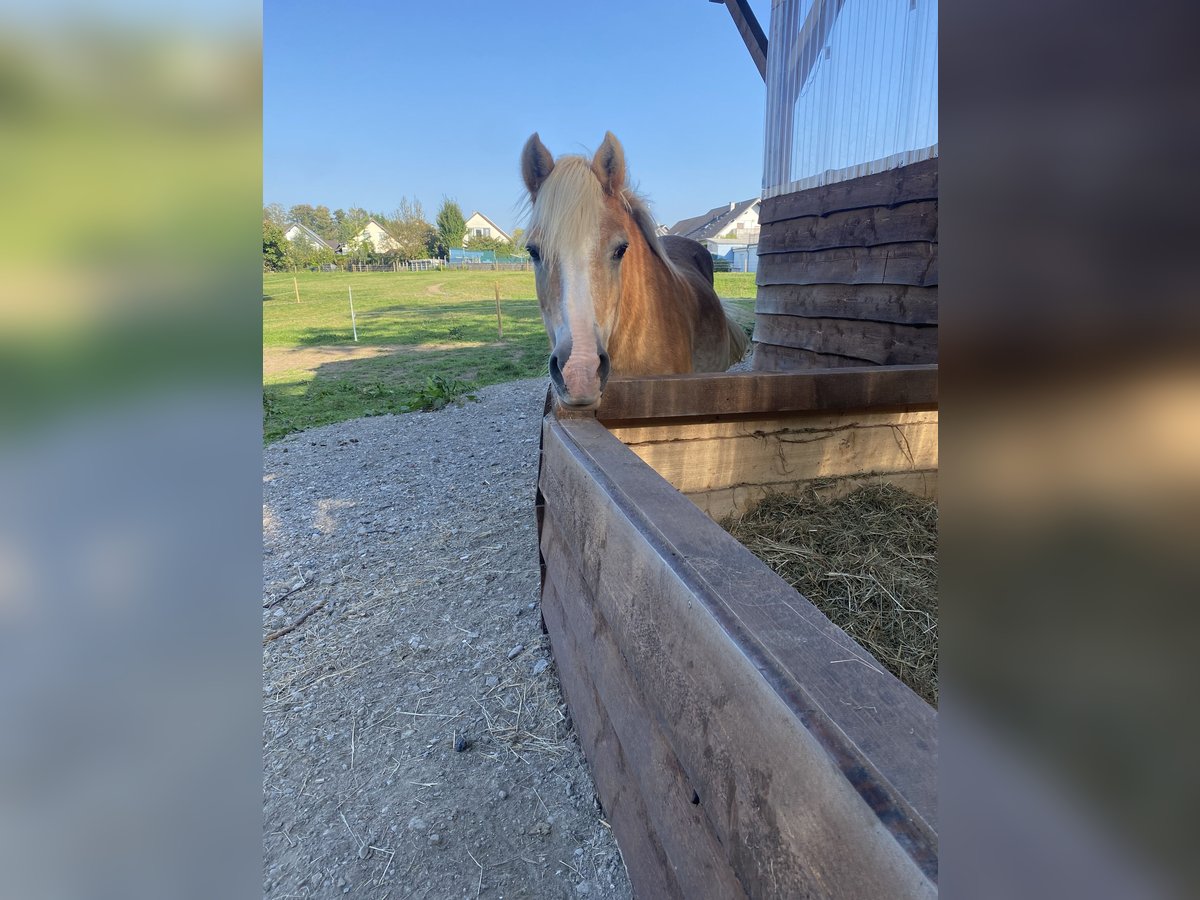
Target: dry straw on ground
{"x": 868, "y": 560}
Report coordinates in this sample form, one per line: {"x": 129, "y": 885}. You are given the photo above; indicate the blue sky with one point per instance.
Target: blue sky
{"x": 368, "y": 102}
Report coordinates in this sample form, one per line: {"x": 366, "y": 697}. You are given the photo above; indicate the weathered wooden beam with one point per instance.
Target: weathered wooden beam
{"x": 814, "y": 769}
{"x": 883, "y": 343}
{"x": 751, "y": 32}
{"x": 645, "y": 858}
{"x": 643, "y": 778}
{"x": 667, "y": 396}
{"x": 796, "y": 360}
{"x": 899, "y": 303}
{"x": 763, "y": 454}
{"x": 867, "y": 227}
{"x": 914, "y": 263}
{"x": 906, "y": 184}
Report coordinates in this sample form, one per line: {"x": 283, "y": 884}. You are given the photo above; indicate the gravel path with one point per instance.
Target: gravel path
{"x": 415, "y": 739}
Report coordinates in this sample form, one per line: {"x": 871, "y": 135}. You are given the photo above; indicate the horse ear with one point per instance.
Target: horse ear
{"x": 536, "y": 164}
{"x": 609, "y": 164}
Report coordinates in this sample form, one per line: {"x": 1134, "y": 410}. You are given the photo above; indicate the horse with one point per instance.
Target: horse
{"x": 616, "y": 299}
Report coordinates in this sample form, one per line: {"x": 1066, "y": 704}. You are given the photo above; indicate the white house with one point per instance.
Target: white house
{"x": 735, "y": 221}
{"x": 479, "y": 225}
{"x": 380, "y": 240}
{"x": 304, "y": 233}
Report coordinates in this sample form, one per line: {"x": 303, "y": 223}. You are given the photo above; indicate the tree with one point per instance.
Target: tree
{"x": 275, "y": 248}
{"x": 350, "y": 223}
{"x": 274, "y": 214}
{"x": 323, "y": 223}
{"x": 516, "y": 247}
{"x": 361, "y": 250}
{"x": 408, "y": 228}
{"x": 305, "y": 255}
{"x": 479, "y": 242}
{"x": 451, "y": 226}
{"x": 318, "y": 218}
{"x": 301, "y": 214}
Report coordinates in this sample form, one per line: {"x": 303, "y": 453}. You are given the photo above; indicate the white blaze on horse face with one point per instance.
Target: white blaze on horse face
{"x": 581, "y": 369}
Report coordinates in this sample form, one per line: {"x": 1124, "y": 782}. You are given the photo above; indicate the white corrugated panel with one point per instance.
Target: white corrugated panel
{"x": 851, "y": 90}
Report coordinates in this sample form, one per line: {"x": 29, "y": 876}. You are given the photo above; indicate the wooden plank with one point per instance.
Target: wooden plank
{"x": 642, "y": 852}
{"x": 906, "y": 184}
{"x": 905, "y": 263}
{"x": 883, "y": 343}
{"x": 744, "y": 676}
{"x": 751, "y": 32}
{"x": 817, "y": 420}
{"x": 770, "y": 358}
{"x": 743, "y": 497}
{"x": 746, "y": 394}
{"x": 694, "y": 859}
{"x": 723, "y": 575}
{"x": 867, "y": 227}
{"x": 903, "y": 304}
{"x": 787, "y": 455}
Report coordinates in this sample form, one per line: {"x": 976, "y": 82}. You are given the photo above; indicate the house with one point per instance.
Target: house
{"x": 479, "y": 225}
{"x": 736, "y": 222}
{"x": 376, "y": 235}
{"x": 299, "y": 232}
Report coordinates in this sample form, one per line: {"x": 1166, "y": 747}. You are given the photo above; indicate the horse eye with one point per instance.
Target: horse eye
{"x": 620, "y": 251}
{"x": 534, "y": 253}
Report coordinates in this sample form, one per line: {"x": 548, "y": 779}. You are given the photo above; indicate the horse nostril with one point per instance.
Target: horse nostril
{"x": 556, "y": 376}
{"x": 604, "y": 369}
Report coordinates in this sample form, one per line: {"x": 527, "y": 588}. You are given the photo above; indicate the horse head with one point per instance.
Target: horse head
{"x": 583, "y": 221}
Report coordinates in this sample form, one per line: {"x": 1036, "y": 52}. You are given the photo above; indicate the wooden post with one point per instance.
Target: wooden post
{"x": 352, "y": 323}
{"x": 296, "y": 285}
{"x": 499, "y": 324}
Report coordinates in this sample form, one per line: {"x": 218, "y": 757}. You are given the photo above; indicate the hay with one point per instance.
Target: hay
{"x": 868, "y": 560}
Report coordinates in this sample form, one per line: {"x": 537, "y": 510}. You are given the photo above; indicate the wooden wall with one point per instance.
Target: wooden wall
{"x": 742, "y": 745}
{"x": 848, "y": 273}
{"x": 843, "y": 428}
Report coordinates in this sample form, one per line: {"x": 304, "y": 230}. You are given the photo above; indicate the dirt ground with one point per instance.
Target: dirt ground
{"x": 415, "y": 739}
{"x": 277, "y": 360}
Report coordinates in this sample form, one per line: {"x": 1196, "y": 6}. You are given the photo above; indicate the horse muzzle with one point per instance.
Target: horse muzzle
{"x": 579, "y": 378}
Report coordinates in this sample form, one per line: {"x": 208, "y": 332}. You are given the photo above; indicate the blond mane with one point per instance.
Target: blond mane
{"x": 569, "y": 207}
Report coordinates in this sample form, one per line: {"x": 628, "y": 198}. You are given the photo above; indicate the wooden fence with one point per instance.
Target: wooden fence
{"x": 742, "y": 745}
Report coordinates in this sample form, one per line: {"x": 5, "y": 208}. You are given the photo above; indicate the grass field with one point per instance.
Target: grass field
{"x": 424, "y": 338}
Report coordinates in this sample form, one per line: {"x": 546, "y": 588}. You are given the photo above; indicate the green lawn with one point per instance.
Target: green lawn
{"x": 423, "y": 337}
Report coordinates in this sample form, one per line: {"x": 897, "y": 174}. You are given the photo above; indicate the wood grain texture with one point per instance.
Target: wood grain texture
{"x": 906, "y": 184}
{"x": 650, "y": 775}
{"x": 749, "y": 394}
{"x": 900, "y": 303}
{"x": 883, "y": 343}
{"x": 818, "y": 420}
{"x": 769, "y": 358}
{"x": 650, "y": 870}
{"x": 794, "y": 451}
{"x": 814, "y": 765}
{"x": 866, "y": 227}
{"x": 913, "y": 263}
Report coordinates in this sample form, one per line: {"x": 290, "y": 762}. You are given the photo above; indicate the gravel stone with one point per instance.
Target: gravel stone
{"x": 417, "y": 527}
